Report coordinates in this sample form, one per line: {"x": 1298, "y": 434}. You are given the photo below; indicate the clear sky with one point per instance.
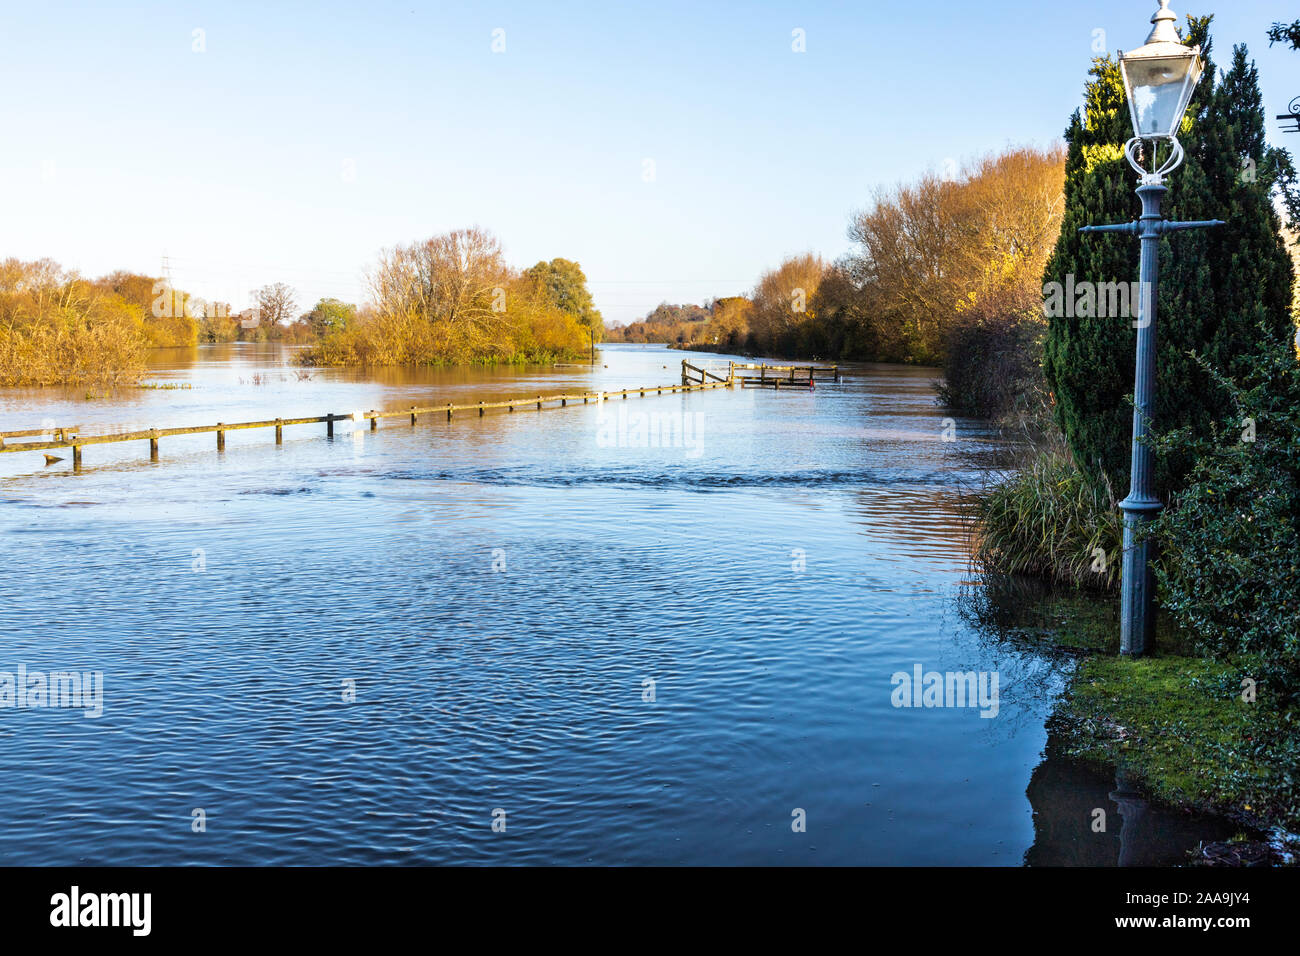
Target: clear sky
{"x": 292, "y": 141}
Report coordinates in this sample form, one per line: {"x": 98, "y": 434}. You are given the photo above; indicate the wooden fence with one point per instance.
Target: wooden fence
{"x": 694, "y": 378}
{"x": 71, "y": 438}
{"x": 778, "y": 376}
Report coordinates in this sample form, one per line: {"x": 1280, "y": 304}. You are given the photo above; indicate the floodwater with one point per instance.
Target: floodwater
{"x": 653, "y": 631}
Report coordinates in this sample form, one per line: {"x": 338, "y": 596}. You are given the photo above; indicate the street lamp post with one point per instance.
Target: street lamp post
{"x": 1159, "y": 78}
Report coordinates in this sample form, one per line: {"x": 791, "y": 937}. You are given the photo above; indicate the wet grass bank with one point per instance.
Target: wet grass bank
{"x": 1194, "y": 733}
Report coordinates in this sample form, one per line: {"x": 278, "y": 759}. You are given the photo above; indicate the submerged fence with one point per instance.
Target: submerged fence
{"x": 694, "y": 379}
{"x": 70, "y": 437}
{"x": 773, "y": 376}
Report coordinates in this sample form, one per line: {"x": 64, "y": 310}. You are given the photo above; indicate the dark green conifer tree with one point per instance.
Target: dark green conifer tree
{"x": 1224, "y": 293}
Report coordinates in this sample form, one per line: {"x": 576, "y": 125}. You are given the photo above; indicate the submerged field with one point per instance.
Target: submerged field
{"x": 622, "y": 650}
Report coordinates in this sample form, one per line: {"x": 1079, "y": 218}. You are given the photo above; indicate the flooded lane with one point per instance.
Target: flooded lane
{"x": 357, "y": 650}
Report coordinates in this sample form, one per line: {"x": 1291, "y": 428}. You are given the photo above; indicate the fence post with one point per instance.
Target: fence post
{"x": 706, "y": 380}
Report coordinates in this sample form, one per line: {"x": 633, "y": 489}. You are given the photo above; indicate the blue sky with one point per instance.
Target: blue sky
{"x": 306, "y": 137}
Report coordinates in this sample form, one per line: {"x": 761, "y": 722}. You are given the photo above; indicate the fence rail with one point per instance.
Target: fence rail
{"x": 71, "y": 438}
{"x": 694, "y": 378}
{"x": 777, "y": 376}
{"x": 696, "y": 375}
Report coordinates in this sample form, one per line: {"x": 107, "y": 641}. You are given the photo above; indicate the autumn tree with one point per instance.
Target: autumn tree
{"x": 728, "y": 323}
{"x": 275, "y": 304}
{"x": 1011, "y": 206}
{"x": 566, "y": 285}
{"x": 781, "y": 301}
{"x": 452, "y": 299}
{"x": 669, "y": 323}
{"x": 448, "y": 292}
{"x": 940, "y": 247}
{"x": 57, "y": 328}
{"x": 908, "y": 252}
{"x": 851, "y": 323}
{"x": 168, "y": 318}
{"x": 330, "y": 315}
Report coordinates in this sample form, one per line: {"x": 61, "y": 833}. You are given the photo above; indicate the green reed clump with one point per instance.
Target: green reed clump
{"x": 1047, "y": 520}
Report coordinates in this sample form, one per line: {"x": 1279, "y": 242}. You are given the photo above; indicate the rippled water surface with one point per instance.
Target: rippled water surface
{"x": 501, "y": 592}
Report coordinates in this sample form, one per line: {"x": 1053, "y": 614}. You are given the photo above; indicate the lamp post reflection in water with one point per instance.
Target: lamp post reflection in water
{"x": 1133, "y": 810}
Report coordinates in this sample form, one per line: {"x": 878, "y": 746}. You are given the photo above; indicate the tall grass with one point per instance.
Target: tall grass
{"x": 1047, "y": 520}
